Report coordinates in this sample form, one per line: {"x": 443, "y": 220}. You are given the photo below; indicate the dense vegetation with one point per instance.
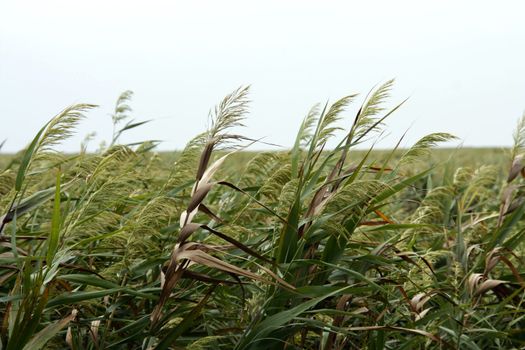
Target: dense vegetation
{"x": 312, "y": 248}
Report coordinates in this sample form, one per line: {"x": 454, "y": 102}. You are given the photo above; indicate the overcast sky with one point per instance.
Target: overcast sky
{"x": 462, "y": 63}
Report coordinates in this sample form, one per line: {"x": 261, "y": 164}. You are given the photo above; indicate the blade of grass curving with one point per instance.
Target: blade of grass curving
{"x": 237, "y": 244}
{"x": 399, "y": 186}
{"x": 32, "y": 202}
{"x": 91, "y": 280}
{"x": 55, "y": 223}
{"x": 78, "y": 297}
{"x": 503, "y": 231}
{"x": 230, "y": 185}
{"x": 288, "y": 237}
{"x": 406, "y": 330}
{"x": 258, "y": 336}
{"x": 169, "y": 340}
{"x": 200, "y": 257}
{"x": 303, "y": 129}
{"x": 24, "y": 164}
{"x": 41, "y": 338}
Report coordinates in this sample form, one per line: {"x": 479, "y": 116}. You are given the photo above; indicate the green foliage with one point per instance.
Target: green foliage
{"x": 311, "y": 248}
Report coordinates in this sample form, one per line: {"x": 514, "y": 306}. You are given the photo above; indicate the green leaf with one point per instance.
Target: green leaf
{"x": 168, "y": 341}
{"x": 24, "y": 164}
{"x": 77, "y": 297}
{"x": 258, "y": 337}
{"x": 55, "y": 224}
{"x": 41, "y": 338}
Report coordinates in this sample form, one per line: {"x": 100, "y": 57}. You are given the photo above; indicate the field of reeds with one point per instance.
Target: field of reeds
{"x": 214, "y": 247}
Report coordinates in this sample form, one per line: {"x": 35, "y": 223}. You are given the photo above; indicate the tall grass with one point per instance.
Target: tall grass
{"x": 311, "y": 248}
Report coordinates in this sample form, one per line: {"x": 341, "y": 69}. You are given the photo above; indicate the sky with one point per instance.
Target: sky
{"x": 460, "y": 63}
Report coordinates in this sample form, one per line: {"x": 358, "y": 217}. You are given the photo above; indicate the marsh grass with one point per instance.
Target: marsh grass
{"x": 214, "y": 247}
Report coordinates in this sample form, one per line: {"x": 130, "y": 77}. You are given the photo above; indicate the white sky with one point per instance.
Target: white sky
{"x": 462, "y": 63}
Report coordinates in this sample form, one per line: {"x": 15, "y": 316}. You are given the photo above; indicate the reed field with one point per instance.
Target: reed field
{"x": 218, "y": 247}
